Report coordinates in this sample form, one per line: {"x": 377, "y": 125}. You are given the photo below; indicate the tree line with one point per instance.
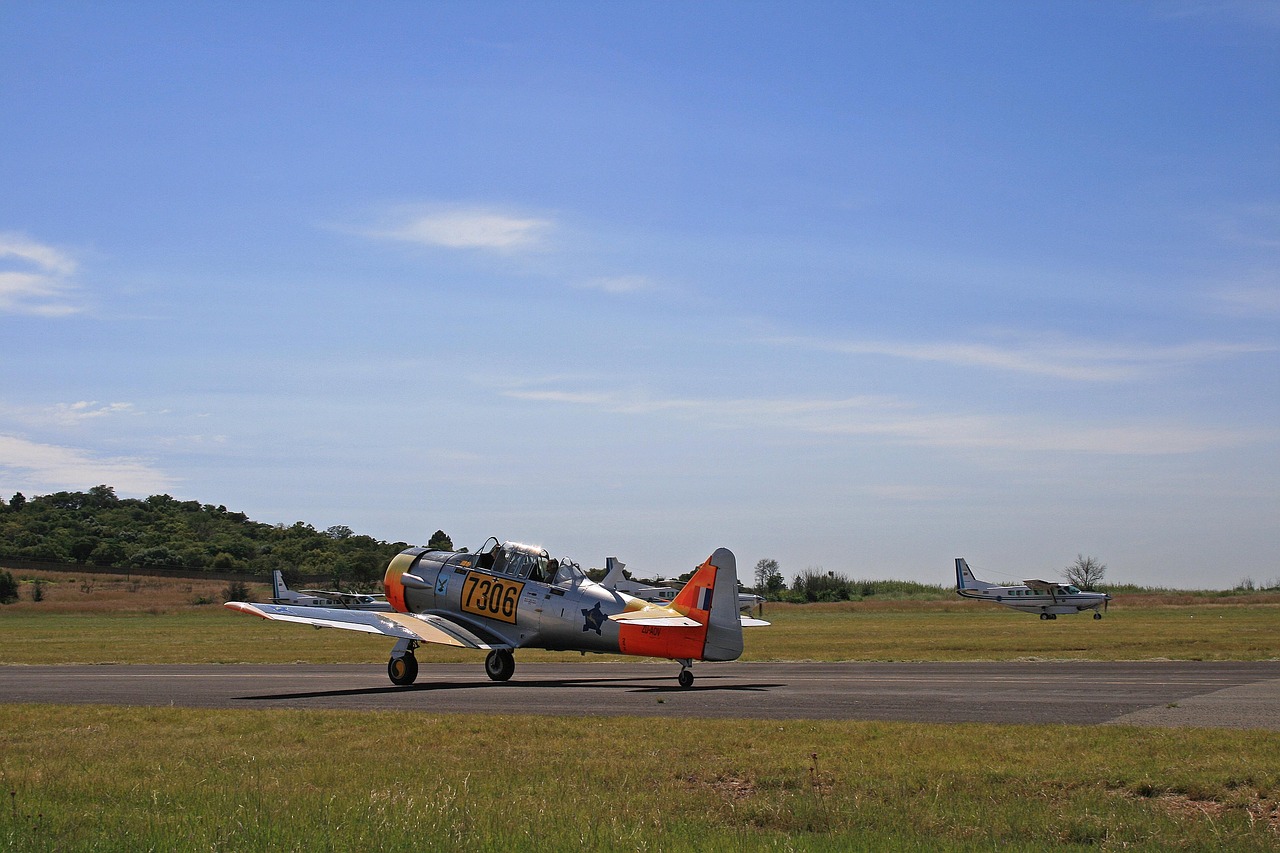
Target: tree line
{"x": 97, "y": 527}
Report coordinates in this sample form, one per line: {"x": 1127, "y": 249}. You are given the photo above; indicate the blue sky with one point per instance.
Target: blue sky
{"x": 854, "y": 286}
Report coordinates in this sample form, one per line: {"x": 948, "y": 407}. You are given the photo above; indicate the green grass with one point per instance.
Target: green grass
{"x": 825, "y": 632}
{"x": 182, "y": 779}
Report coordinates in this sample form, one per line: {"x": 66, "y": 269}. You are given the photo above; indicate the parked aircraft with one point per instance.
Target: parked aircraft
{"x": 512, "y": 596}
{"x": 1032, "y": 596}
{"x": 281, "y": 594}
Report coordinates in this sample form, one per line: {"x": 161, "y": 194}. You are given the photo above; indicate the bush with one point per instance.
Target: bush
{"x": 8, "y": 587}
{"x": 236, "y": 591}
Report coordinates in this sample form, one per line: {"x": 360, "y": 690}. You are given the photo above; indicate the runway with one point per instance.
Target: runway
{"x": 1175, "y": 693}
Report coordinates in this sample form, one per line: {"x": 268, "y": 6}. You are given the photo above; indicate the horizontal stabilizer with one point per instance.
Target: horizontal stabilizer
{"x": 658, "y": 618}
{"x": 748, "y": 622}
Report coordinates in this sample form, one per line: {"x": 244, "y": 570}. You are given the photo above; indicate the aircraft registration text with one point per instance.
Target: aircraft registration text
{"x": 494, "y": 598}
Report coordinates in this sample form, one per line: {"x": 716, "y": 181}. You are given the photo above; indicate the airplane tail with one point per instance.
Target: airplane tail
{"x": 702, "y": 622}
{"x": 279, "y": 589}
{"x": 611, "y": 578}
{"x": 965, "y": 578}
{"x": 711, "y": 597}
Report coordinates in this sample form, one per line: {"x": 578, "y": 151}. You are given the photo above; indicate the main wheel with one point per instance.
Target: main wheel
{"x": 685, "y": 678}
{"x": 1044, "y": 616}
{"x": 500, "y": 665}
{"x": 1097, "y": 615}
{"x": 402, "y": 670}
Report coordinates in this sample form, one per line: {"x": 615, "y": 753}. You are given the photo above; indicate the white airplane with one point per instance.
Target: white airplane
{"x": 1032, "y": 596}
{"x": 281, "y": 594}
{"x": 615, "y": 580}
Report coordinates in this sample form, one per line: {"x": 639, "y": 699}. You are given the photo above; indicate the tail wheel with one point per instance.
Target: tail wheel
{"x": 685, "y": 678}
{"x": 499, "y": 665}
{"x": 402, "y": 670}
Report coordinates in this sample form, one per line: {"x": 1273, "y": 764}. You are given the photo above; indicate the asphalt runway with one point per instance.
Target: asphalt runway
{"x": 1174, "y": 693}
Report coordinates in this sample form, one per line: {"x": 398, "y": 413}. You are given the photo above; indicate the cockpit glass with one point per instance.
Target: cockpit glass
{"x": 568, "y": 574}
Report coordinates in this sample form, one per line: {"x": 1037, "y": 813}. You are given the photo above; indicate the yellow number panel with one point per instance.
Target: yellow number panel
{"x": 491, "y": 597}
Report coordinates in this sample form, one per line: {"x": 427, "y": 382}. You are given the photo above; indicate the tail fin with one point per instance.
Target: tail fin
{"x": 278, "y": 587}
{"x": 965, "y": 578}
{"x": 711, "y": 597}
{"x": 611, "y": 578}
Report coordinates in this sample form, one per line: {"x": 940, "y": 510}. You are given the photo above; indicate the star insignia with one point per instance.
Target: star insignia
{"x": 594, "y": 619}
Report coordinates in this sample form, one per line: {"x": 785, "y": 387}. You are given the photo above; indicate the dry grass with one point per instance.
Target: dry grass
{"x": 66, "y": 592}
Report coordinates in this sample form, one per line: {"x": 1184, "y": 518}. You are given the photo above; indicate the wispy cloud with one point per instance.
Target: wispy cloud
{"x": 619, "y": 285}
{"x": 465, "y": 228}
{"x": 1250, "y": 301}
{"x": 892, "y": 420}
{"x": 73, "y": 413}
{"x": 1080, "y": 361}
{"x": 48, "y": 467}
{"x": 35, "y": 278}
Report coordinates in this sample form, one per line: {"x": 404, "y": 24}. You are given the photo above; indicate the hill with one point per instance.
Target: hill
{"x": 98, "y": 528}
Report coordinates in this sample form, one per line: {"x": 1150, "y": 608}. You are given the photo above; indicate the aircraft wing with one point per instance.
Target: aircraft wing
{"x": 423, "y": 627}
{"x": 1047, "y": 586}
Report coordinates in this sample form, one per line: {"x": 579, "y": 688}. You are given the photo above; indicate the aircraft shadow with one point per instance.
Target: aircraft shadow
{"x": 626, "y": 684}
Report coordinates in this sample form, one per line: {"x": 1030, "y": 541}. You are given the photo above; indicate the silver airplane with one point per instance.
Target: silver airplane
{"x": 281, "y": 594}
{"x": 1033, "y": 596}
{"x": 512, "y": 596}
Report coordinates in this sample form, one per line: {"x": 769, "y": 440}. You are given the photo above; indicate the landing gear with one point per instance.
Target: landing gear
{"x": 1048, "y": 615}
{"x": 403, "y": 670}
{"x": 685, "y": 679}
{"x": 499, "y": 665}
{"x": 1097, "y": 615}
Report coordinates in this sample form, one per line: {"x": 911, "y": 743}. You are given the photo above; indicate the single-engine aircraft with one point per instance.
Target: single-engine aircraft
{"x": 1032, "y": 596}
{"x": 281, "y": 594}
{"x": 512, "y": 596}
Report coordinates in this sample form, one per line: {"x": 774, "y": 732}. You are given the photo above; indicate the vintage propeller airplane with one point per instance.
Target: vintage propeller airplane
{"x": 1032, "y": 596}
{"x": 512, "y": 596}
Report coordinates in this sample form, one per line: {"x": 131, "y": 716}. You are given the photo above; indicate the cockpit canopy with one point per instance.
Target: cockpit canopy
{"x": 529, "y": 562}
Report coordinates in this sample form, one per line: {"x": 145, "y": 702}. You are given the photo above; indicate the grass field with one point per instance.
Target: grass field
{"x": 174, "y": 779}
{"x": 97, "y": 778}
{"x": 915, "y": 632}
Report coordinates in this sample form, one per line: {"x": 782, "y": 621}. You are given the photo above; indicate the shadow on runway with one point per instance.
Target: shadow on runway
{"x": 627, "y": 684}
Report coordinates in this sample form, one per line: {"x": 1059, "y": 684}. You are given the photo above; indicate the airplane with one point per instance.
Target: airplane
{"x": 614, "y": 579}
{"x": 512, "y": 596}
{"x": 281, "y": 594}
{"x": 1033, "y": 596}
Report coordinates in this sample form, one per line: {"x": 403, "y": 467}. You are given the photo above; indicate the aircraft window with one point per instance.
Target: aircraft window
{"x": 569, "y": 574}
{"x": 1073, "y": 589}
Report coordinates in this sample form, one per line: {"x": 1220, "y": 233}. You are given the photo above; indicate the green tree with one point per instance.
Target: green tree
{"x": 764, "y": 568}
{"x": 440, "y": 541}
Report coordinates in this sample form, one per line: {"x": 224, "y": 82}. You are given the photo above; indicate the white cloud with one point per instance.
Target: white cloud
{"x": 467, "y": 229}
{"x": 1080, "y": 361}
{"x": 35, "y": 278}
{"x": 895, "y": 421}
{"x": 619, "y": 285}
{"x": 73, "y": 413}
{"x": 36, "y": 467}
